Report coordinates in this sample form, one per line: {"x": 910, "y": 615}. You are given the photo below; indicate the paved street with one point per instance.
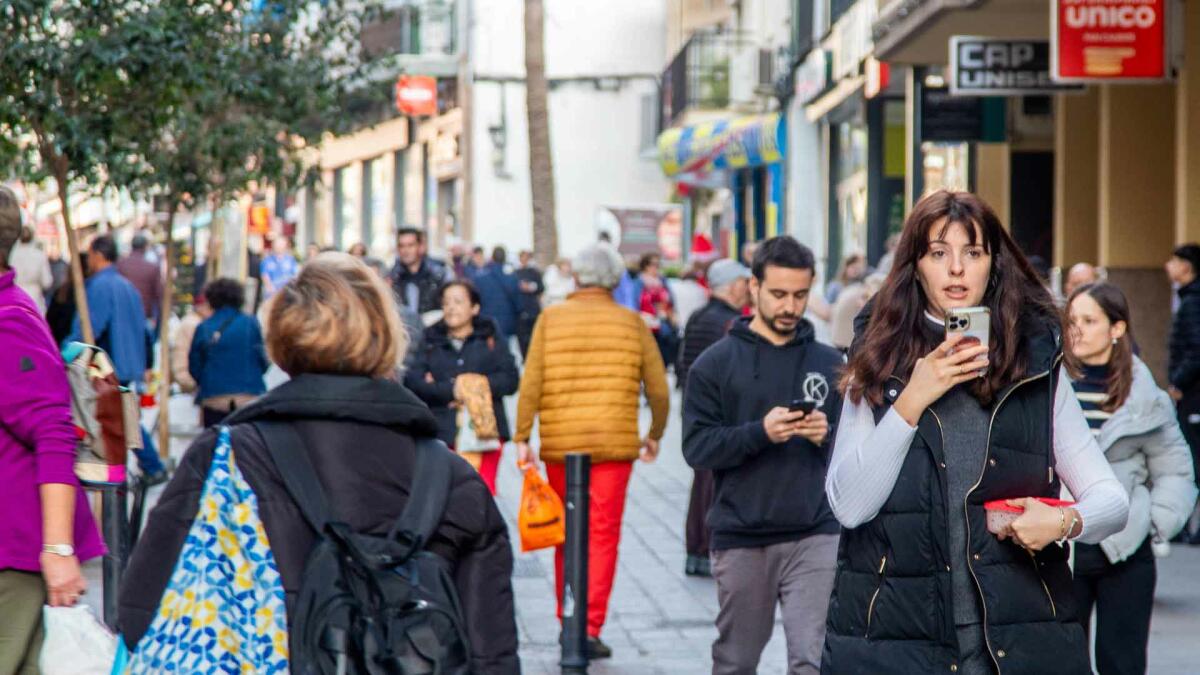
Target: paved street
{"x": 660, "y": 621}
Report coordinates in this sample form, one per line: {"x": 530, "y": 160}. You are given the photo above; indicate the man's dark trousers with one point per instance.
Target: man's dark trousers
{"x": 697, "y": 537}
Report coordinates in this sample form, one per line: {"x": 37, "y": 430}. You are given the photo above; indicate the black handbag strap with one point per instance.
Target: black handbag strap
{"x": 215, "y": 339}
{"x": 428, "y": 495}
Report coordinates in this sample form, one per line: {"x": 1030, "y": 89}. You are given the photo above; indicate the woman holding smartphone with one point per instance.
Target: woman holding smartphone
{"x": 1134, "y": 423}
{"x": 931, "y": 429}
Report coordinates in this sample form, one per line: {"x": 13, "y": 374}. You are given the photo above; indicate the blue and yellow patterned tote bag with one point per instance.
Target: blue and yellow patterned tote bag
{"x": 223, "y": 610}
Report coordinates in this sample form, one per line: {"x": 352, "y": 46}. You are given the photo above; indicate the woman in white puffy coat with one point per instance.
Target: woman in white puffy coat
{"x": 1135, "y": 425}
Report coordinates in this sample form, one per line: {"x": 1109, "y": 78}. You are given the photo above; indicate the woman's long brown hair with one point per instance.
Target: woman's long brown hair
{"x": 1120, "y": 366}
{"x": 897, "y": 334}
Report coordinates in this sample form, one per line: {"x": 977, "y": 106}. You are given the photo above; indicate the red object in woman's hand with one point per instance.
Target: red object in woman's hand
{"x": 1001, "y": 514}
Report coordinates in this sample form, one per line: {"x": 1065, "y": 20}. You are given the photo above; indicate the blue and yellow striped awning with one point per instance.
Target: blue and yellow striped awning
{"x": 736, "y": 143}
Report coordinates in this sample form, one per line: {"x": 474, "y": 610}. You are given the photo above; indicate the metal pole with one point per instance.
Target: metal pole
{"x": 575, "y": 567}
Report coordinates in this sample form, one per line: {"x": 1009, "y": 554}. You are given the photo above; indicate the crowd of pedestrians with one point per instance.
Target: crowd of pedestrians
{"x": 843, "y": 485}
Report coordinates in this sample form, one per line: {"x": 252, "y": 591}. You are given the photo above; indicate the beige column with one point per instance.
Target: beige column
{"x": 1137, "y": 205}
{"x": 910, "y": 131}
{"x": 1076, "y": 178}
{"x": 324, "y": 229}
{"x": 993, "y": 177}
{"x": 1137, "y": 174}
{"x": 1187, "y": 156}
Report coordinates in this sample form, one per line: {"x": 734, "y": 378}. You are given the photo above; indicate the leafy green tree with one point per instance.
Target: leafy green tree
{"x": 67, "y": 75}
{"x": 249, "y": 88}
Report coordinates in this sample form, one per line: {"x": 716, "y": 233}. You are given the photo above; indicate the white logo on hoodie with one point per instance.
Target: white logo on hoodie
{"x": 816, "y": 388}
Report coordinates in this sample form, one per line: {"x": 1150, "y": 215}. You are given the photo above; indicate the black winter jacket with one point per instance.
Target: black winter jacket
{"x": 704, "y": 327}
{"x": 359, "y": 436}
{"x": 1183, "y": 367}
{"x": 766, "y": 493}
{"x": 892, "y": 606}
{"x": 530, "y": 301}
{"x": 485, "y": 352}
{"x": 427, "y": 280}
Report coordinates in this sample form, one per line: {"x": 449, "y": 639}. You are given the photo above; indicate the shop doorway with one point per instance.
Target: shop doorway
{"x": 1032, "y": 203}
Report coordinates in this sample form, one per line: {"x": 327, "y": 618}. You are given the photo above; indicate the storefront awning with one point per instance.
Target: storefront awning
{"x": 833, "y": 98}
{"x": 736, "y": 143}
{"x": 918, "y": 32}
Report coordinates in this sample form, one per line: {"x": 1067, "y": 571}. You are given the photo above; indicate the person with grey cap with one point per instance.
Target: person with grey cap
{"x": 730, "y": 284}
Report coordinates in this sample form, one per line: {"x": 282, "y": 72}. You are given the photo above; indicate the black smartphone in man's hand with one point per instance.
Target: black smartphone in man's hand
{"x": 803, "y": 404}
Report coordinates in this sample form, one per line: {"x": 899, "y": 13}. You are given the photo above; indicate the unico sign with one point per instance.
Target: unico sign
{"x": 1109, "y": 40}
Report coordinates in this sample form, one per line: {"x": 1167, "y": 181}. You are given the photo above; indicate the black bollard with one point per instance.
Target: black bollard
{"x": 115, "y": 524}
{"x": 575, "y": 567}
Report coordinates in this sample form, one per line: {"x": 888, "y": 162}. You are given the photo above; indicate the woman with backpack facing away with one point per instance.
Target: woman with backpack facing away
{"x": 464, "y": 342}
{"x": 227, "y": 359}
{"x": 335, "y": 331}
{"x": 932, "y": 429}
{"x": 1134, "y": 422}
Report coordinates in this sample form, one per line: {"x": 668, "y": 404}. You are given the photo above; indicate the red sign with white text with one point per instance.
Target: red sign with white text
{"x": 416, "y": 95}
{"x": 1109, "y": 40}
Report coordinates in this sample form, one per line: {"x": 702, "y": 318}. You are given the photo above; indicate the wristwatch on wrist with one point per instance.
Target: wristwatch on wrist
{"x": 63, "y": 550}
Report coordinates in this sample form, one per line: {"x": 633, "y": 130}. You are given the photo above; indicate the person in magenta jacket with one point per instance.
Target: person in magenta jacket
{"x": 46, "y": 528}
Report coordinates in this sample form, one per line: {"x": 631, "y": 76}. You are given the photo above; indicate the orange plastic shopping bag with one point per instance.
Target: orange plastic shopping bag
{"x": 542, "y": 520}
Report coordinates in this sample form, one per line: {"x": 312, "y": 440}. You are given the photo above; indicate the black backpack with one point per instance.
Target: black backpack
{"x": 372, "y": 605}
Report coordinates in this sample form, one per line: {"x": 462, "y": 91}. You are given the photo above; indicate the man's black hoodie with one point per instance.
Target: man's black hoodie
{"x": 766, "y": 493}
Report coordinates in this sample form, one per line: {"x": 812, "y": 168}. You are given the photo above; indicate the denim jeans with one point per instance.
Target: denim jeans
{"x": 147, "y": 456}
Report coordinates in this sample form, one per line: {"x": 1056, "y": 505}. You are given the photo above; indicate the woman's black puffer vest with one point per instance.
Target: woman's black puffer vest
{"x": 891, "y": 610}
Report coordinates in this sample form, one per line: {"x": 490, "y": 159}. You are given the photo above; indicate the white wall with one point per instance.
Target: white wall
{"x": 595, "y": 135}
{"x": 806, "y": 202}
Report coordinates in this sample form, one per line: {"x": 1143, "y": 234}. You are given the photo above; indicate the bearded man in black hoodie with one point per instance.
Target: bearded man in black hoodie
{"x": 774, "y": 537}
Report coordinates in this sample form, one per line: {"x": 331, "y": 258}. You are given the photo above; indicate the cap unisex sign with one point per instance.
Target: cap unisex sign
{"x": 1113, "y": 40}
{"x": 982, "y": 66}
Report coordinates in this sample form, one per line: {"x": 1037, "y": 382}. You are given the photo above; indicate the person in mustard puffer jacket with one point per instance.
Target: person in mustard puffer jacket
{"x": 587, "y": 364}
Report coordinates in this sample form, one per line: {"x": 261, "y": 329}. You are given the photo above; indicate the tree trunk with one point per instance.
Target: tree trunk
{"x": 81, "y": 303}
{"x": 164, "y": 342}
{"x": 541, "y": 165}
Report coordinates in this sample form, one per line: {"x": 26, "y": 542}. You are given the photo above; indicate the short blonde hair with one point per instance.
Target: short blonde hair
{"x": 336, "y": 317}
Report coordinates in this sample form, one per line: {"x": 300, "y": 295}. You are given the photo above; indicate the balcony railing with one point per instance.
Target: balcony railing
{"x": 698, "y": 77}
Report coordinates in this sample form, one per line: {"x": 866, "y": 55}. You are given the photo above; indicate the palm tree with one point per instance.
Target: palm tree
{"x": 541, "y": 164}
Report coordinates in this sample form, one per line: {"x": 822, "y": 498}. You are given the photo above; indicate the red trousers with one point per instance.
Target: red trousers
{"x": 609, "y": 481}
{"x": 487, "y": 464}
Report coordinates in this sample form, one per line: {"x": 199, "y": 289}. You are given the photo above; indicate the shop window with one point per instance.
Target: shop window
{"x": 837, "y": 8}
{"x": 947, "y": 166}
{"x": 802, "y": 26}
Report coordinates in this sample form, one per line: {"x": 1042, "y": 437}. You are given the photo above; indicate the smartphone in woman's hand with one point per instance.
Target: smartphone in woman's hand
{"x": 973, "y": 323}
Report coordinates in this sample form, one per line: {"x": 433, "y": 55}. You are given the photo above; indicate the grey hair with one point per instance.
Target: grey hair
{"x": 598, "y": 265}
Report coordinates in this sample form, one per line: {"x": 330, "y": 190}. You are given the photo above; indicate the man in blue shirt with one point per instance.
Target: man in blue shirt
{"x": 278, "y": 268}
{"x": 499, "y": 294}
{"x": 119, "y": 325}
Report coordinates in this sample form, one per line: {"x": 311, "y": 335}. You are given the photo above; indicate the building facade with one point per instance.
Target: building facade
{"x": 462, "y": 174}
{"x": 725, "y": 128}
{"x": 1107, "y": 172}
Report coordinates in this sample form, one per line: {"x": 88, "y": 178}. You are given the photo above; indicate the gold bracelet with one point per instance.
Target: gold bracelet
{"x": 1062, "y": 525}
